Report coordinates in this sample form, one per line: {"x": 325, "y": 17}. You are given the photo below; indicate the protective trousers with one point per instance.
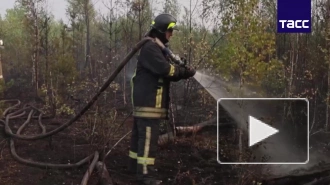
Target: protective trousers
{"x": 143, "y": 149}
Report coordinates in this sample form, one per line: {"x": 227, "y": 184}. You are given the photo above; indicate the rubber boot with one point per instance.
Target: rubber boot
{"x": 148, "y": 132}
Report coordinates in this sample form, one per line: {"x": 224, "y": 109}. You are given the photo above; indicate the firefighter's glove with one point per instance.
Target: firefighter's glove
{"x": 184, "y": 60}
{"x": 190, "y": 72}
{"x": 187, "y": 72}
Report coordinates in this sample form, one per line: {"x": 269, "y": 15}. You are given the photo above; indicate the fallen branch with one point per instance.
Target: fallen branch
{"x": 117, "y": 143}
{"x": 195, "y": 128}
{"x": 169, "y": 137}
{"x": 103, "y": 173}
{"x": 90, "y": 169}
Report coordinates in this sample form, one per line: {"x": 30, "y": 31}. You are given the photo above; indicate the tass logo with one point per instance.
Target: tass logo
{"x": 294, "y": 23}
{"x": 294, "y": 16}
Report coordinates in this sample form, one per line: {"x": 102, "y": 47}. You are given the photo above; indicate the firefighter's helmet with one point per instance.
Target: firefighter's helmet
{"x": 164, "y": 22}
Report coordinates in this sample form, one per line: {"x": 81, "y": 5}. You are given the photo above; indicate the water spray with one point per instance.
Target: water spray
{"x": 219, "y": 88}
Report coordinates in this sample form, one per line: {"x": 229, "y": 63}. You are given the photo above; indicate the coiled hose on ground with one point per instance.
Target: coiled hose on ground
{"x": 21, "y": 112}
{"x": 90, "y": 103}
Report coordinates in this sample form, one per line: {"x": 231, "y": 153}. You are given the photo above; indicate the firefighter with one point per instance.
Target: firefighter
{"x": 150, "y": 98}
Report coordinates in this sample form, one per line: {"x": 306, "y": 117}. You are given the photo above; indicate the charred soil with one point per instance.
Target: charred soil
{"x": 189, "y": 160}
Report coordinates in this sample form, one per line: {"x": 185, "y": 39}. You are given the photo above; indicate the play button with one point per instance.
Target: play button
{"x": 258, "y": 131}
{"x": 265, "y": 131}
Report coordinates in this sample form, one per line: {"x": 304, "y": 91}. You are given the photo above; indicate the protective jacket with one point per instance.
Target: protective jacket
{"x": 151, "y": 82}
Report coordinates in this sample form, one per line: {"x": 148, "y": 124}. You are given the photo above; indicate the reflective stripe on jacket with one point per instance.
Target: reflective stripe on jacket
{"x": 151, "y": 82}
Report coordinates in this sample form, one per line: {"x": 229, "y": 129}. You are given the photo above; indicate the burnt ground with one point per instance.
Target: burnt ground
{"x": 190, "y": 160}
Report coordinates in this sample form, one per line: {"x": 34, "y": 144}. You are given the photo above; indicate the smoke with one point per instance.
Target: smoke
{"x": 130, "y": 68}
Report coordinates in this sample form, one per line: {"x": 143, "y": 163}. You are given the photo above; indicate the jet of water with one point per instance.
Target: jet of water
{"x": 219, "y": 88}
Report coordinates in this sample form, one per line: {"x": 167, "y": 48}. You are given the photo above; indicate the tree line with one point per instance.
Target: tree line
{"x": 52, "y": 59}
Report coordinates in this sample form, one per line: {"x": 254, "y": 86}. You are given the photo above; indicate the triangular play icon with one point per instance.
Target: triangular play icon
{"x": 259, "y": 131}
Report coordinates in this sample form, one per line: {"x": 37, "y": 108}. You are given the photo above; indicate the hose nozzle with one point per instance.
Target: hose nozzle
{"x": 175, "y": 58}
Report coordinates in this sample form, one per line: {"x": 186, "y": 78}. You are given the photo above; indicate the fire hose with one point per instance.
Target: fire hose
{"x": 91, "y": 102}
{"x": 44, "y": 134}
